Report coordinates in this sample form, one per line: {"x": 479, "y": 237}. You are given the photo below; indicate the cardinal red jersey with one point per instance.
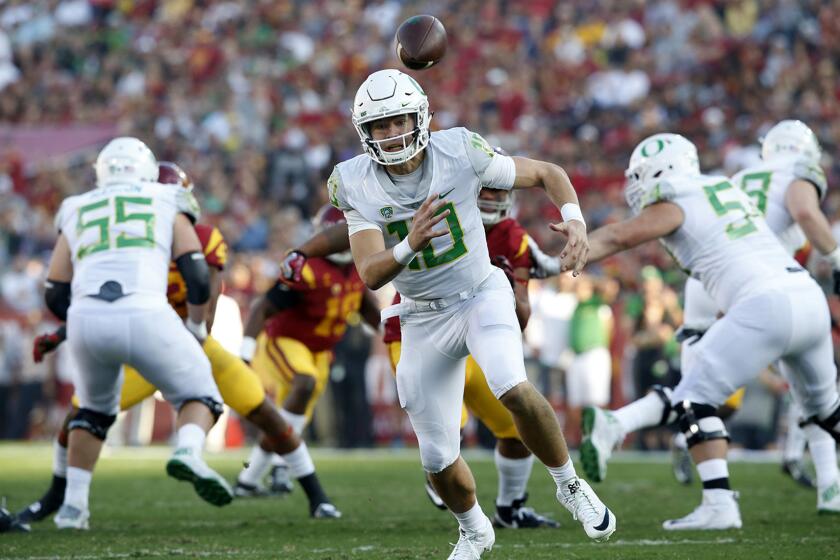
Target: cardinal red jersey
{"x": 215, "y": 253}
{"x": 327, "y": 295}
{"x": 392, "y": 326}
{"x": 507, "y": 238}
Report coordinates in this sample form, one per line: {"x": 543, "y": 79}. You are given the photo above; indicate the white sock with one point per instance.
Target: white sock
{"x": 712, "y": 469}
{"x": 795, "y": 440}
{"x": 296, "y": 421}
{"x": 641, "y": 413}
{"x": 59, "y": 459}
{"x": 473, "y": 520}
{"x": 191, "y": 436}
{"x": 680, "y": 441}
{"x": 823, "y": 453}
{"x": 78, "y": 487}
{"x": 258, "y": 465}
{"x": 562, "y": 473}
{"x": 513, "y": 477}
{"x": 299, "y": 461}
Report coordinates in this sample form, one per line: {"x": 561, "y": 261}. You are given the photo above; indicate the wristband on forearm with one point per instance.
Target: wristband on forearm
{"x": 403, "y": 253}
{"x": 571, "y": 211}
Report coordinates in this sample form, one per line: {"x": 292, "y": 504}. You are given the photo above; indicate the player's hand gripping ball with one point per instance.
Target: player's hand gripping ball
{"x": 421, "y": 42}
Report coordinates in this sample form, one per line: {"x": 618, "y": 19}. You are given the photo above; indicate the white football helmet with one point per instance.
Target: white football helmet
{"x": 494, "y": 211}
{"x": 125, "y": 159}
{"x": 658, "y": 157}
{"x": 388, "y": 93}
{"x": 788, "y": 138}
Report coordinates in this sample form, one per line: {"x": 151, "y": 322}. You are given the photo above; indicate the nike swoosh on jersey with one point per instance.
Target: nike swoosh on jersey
{"x": 441, "y": 196}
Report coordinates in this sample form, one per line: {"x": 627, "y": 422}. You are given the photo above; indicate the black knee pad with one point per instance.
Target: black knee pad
{"x": 216, "y": 408}
{"x": 830, "y": 424}
{"x": 700, "y": 422}
{"x": 96, "y": 423}
{"x": 669, "y": 415}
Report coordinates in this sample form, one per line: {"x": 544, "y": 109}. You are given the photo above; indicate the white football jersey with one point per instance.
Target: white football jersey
{"x": 123, "y": 233}
{"x": 457, "y": 164}
{"x": 767, "y": 184}
{"x": 724, "y": 241}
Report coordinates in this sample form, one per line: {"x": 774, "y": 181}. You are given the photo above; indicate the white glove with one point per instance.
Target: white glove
{"x": 544, "y": 265}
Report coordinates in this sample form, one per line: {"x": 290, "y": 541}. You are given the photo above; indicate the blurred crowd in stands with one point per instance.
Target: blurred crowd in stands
{"x": 252, "y": 98}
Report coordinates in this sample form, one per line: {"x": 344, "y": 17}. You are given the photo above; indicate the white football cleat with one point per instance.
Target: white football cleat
{"x": 209, "y": 485}
{"x": 471, "y": 546}
{"x": 828, "y": 500}
{"x": 71, "y": 517}
{"x": 580, "y": 499}
{"x": 601, "y": 435}
{"x": 719, "y": 510}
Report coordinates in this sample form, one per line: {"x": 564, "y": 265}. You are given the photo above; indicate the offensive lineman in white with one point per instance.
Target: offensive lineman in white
{"x": 412, "y": 213}
{"x": 773, "y": 308}
{"x": 107, "y": 279}
{"x": 787, "y": 188}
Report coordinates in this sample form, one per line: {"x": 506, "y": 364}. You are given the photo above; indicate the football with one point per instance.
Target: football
{"x": 421, "y": 42}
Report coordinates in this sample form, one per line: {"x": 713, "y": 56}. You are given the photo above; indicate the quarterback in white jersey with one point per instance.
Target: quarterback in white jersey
{"x": 413, "y": 217}
{"x": 772, "y": 306}
{"x": 108, "y": 279}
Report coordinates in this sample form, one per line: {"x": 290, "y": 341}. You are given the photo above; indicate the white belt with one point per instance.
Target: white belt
{"x": 423, "y": 305}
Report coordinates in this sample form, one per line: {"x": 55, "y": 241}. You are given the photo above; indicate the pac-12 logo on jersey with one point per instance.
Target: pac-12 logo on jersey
{"x": 387, "y": 212}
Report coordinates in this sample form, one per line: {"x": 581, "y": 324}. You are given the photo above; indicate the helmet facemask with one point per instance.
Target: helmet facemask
{"x": 494, "y": 211}
{"x": 390, "y": 93}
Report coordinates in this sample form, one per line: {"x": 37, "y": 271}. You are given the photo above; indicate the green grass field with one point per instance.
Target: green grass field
{"x": 137, "y": 512}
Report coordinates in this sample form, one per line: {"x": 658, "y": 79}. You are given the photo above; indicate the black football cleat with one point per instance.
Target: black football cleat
{"x": 47, "y": 505}
{"x": 9, "y": 523}
{"x": 517, "y": 516}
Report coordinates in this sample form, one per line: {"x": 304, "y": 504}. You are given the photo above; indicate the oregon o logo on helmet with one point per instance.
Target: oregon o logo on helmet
{"x": 660, "y": 145}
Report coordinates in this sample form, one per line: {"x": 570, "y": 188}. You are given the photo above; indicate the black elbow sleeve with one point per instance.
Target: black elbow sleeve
{"x": 57, "y": 296}
{"x": 193, "y": 267}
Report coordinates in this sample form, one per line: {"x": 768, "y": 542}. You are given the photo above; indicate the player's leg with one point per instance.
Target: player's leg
{"x": 167, "y": 356}
{"x": 394, "y": 350}
{"x": 810, "y": 370}
{"x": 299, "y": 376}
{"x": 52, "y": 499}
{"x": 242, "y": 390}
{"x": 760, "y": 324}
{"x": 793, "y": 452}
{"x": 272, "y": 374}
{"x": 495, "y": 341}
{"x": 134, "y": 390}
{"x": 430, "y": 386}
{"x": 513, "y": 460}
{"x": 98, "y": 344}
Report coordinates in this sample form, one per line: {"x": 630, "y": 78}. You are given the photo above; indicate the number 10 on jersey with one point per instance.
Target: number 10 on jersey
{"x": 428, "y": 256}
